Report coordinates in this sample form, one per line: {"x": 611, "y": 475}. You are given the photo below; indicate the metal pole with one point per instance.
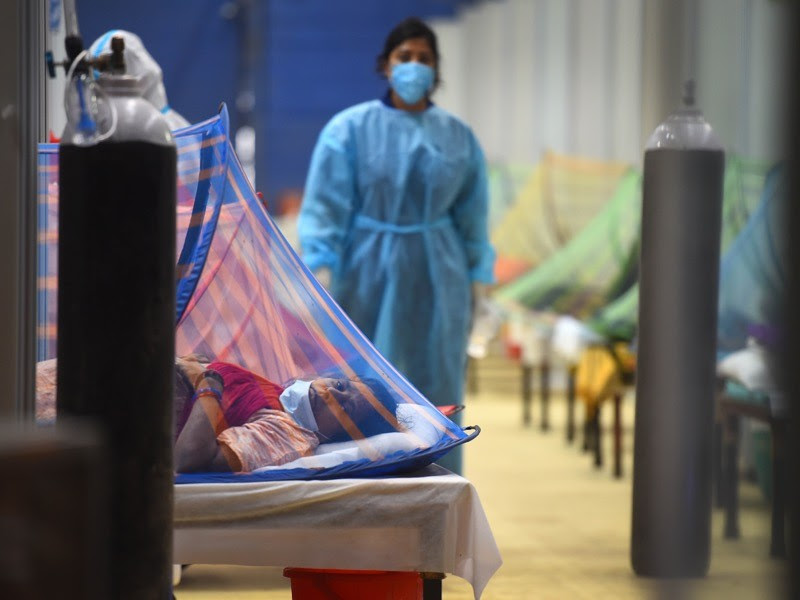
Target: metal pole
{"x": 21, "y": 126}
{"x": 571, "y": 373}
{"x": 544, "y": 374}
{"x": 527, "y": 393}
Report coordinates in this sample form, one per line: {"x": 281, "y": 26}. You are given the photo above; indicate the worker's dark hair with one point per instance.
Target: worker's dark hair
{"x": 410, "y": 28}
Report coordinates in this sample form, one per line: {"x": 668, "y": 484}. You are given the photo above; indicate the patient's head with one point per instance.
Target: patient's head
{"x": 345, "y": 409}
{"x": 342, "y": 408}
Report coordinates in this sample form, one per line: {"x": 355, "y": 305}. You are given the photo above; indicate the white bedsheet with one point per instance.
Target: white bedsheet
{"x": 430, "y": 521}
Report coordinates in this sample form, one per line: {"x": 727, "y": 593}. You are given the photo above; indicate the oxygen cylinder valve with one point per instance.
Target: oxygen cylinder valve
{"x": 117, "y": 60}
{"x": 84, "y": 98}
{"x": 113, "y": 61}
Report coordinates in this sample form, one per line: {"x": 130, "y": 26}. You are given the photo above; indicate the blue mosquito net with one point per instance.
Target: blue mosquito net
{"x": 753, "y": 272}
{"x": 303, "y": 394}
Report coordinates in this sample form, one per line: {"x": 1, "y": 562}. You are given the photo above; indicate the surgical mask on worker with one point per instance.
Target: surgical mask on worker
{"x": 295, "y": 402}
{"x": 412, "y": 81}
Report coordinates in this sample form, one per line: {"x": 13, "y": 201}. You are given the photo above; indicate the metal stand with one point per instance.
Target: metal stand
{"x": 571, "y": 404}
{"x": 544, "y": 382}
{"x": 731, "y": 412}
{"x": 527, "y": 393}
{"x": 777, "y": 546}
{"x": 597, "y": 438}
{"x": 432, "y": 585}
{"x": 587, "y": 430}
{"x": 618, "y": 434}
{"x": 730, "y": 453}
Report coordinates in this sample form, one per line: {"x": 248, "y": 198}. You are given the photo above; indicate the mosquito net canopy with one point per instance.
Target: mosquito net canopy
{"x": 743, "y": 187}
{"x": 557, "y": 199}
{"x": 753, "y": 273}
{"x": 290, "y": 386}
{"x": 595, "y": 266}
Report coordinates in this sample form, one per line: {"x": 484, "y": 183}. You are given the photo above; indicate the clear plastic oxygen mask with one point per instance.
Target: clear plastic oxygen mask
{"x": 91, "y": 116}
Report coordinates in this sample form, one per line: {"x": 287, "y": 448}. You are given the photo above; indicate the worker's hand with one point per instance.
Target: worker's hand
{"x": 485, "y": 323}
{"x": 478, "y": 301}
{"x": 323, "y": 275}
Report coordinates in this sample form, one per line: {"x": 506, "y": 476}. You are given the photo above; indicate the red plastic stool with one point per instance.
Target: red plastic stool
{"x": 335, "y": 584}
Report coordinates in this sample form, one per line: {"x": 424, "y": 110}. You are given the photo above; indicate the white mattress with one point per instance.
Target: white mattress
{"x": 430, "y": 521}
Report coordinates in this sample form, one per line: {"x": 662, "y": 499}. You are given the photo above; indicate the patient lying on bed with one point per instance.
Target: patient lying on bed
{"x": 229, "y": 419}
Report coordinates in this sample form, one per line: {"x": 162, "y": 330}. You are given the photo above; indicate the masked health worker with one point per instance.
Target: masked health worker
{"x": 394, "y": 220}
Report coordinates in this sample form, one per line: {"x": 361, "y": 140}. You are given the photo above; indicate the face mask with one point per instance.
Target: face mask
{"x": 412, "y": 80}
{"x": 295, "y": 402}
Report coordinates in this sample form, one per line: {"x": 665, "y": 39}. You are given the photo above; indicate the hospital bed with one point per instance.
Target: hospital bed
{"x": 746, "y": 187}
{"x": 748, "y": 389}
{"x": 734, "y": 403}
{"x": 430, "y": 522}
{"x": 244, "y": 294}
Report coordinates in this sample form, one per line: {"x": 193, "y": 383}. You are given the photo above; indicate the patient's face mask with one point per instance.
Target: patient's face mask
{"x": 412, "y": 81}
{"x": 295, "y": 402}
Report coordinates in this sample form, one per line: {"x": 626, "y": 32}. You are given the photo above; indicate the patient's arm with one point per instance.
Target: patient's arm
{"x": 196, "y": 448}
{"x": 268, "y": 438}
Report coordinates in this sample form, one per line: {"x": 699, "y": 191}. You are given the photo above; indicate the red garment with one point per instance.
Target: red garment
{"x": 244, "y": 394}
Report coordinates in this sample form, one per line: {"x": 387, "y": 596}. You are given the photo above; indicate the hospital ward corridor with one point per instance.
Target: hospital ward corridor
{"x": 562, "y": 526}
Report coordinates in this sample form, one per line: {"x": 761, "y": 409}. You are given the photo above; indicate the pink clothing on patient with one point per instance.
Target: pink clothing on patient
{"x": 266, "y": 437}
{"x": 269, "y": 437}
{"x": 259, "y": 432}
{"x": 46, "y": 391}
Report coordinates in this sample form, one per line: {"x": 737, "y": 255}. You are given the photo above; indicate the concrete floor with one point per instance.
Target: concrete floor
{"x": 562, "y": 526}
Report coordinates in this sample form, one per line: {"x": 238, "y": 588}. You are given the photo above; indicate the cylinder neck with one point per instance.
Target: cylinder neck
{"x": 684, "y": 129}
{"x": 120, "y": 85}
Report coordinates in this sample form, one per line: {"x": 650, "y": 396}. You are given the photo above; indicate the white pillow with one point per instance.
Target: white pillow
{"x": 421, "y": 432}
{"x": 420, "y": 419}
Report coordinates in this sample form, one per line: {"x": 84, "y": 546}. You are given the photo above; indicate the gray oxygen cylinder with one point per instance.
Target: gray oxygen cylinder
{"x": 675, "y": 379}
{"x": 116, "y": 317}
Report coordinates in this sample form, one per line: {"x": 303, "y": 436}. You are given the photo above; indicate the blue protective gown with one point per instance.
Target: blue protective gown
{"x": 396, "y": 205}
